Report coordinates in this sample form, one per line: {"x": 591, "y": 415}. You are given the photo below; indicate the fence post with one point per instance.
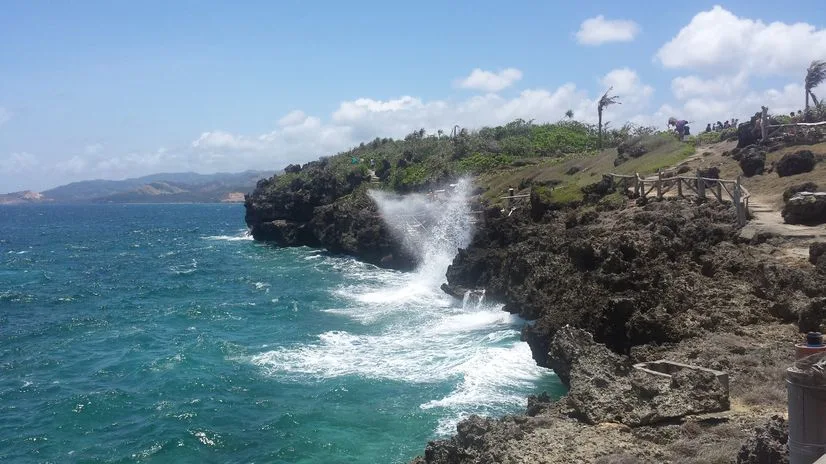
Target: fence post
{"x": 510, "y": 198}
{"x": 701, "y": 186}
{"x": 764, "y": 124}
{"x": 718, "y": 192}
{"x": 738, "y": 201}
{"x": 659, "y": 185}
{"x": 636, "y": 185}
{"x": 679, "y": 187}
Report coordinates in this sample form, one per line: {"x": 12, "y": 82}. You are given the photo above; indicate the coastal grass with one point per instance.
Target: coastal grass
{"x": 567, "y": 175}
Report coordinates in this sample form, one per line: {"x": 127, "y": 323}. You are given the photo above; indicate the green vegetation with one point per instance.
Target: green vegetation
{"x": 707, "y": 138}
{"x": 422, "y": 161}
{"x": 555, "y": 159}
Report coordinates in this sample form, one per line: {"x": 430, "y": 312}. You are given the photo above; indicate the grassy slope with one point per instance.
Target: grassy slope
{"x": 669, "y": 152}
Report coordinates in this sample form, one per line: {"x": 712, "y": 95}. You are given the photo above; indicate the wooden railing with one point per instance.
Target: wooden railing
{"x": 682, "y": 186}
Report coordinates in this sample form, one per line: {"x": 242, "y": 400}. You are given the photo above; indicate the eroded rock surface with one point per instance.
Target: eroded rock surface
{"x": 768, "y": 445}
{"x": 319, "y": 209}
{"x": 660, "y": 273}
{"x": 806, "y": 208}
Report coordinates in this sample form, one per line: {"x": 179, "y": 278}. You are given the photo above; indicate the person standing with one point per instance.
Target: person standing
{"x": 680, "y": 125}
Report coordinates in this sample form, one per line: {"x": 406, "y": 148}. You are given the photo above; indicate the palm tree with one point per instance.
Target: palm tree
{"x": 815, "y": 75}
{"x": 569, "y": 114}
{"x": 605, "y": 101}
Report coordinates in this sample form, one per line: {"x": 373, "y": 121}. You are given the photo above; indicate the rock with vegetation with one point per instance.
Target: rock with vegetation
{"x": 794, "y": 189}
{"x": 806, "y": 208}
{"x": 324, "y": 203}
{"x": 795, "y": 163}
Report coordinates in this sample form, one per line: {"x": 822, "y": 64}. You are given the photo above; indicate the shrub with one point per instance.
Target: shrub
{"x": 478, "y": 163}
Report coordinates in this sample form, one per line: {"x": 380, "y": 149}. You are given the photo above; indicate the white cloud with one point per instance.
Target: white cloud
{"x": 223, "y": 140}
{"x": 291, "y": 118}
{"x": 5, "y": 115}
{"x": 627, "y": 85}
{"x": 489, "y": 81}
{"x": 298, "y": 137}
{"x": 719, "y": 41}
{"x": 75, "y": 165}
{"x": 598, "y": 30}
{"x": 93, "y": 149}
{"x": 708, "y": 108}
{"x": 720, "y": 86}
{"x": 18, "y": 163}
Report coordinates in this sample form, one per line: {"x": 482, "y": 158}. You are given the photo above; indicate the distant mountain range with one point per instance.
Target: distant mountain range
{"x": 184, "y": 187}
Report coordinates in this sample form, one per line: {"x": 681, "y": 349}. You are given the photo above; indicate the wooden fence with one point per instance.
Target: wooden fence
{"x": 682, "y": 186}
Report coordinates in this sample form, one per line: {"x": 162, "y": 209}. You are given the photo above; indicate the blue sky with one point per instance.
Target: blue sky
{"x": 114, "y": 90}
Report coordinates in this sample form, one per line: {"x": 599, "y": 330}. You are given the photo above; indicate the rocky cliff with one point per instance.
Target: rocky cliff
{"x": 613, "y": 283}
{"x": 658, "y": 273}
{"x": 316, "y": 206}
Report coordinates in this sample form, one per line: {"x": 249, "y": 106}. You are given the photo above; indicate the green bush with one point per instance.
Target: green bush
{"x": 478, "y": 163}
{"x": 561, "y": 138}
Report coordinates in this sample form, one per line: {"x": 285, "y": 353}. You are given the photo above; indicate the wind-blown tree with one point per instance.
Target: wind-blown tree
{"x": 605, "y": 101}
{"x": 569, "y": 114}
{"x": 815, "y": 75}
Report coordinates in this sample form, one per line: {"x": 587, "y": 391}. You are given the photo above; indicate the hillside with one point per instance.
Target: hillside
{"x": 324, "y": 203}
{"x": 19, "y": 198}
{"x": 187, "y": 187}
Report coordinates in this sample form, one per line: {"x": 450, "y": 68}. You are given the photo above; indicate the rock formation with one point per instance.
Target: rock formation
{"x": 767, "y": 445}
{"x": 752, "y": 161}
{"x": 653, "y": 274}
{"x": 805, "y": 208}
{"x": 316, "y": 207}
{"x": 795, "y": 163}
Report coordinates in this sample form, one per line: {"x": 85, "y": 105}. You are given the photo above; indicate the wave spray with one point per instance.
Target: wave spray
{"x": 466, "y": 357}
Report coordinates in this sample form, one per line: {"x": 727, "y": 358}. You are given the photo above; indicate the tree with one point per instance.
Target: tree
{"x": 604, "y": 102}
{"x": 815, "y": 75}
{"x": 569, "y": 114}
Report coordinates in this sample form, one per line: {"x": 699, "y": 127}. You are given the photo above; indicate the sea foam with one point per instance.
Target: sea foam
{"x": 414, "y": 332}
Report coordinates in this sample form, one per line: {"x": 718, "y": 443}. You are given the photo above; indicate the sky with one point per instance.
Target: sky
{"x": 113, "y": 90}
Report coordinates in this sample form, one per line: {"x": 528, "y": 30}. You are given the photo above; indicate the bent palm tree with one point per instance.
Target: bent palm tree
{"x": 605, "y": 101}
{"x": 815, "y": 75}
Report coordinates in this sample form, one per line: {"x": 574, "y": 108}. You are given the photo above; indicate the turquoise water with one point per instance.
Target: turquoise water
{"x": 161, "y": 333}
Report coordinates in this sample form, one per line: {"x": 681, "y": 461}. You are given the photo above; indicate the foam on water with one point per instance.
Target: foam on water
{"x": 414, "y": 332}
{"x": 245, "y": 235}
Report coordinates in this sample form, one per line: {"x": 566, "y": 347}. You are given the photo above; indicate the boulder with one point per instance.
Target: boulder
{"x": 816, "y": 250}
{"x": 710, "y": 173}
{"x": 753, "y": 161}
{"x": 293, "y": 168}
{"x": 604, "y": 387}
{"x": 575, "y": 348}
{"x": 748, "y": 134}
{"x": 806, "y": 187}
{"x": 806, "y": 208}
{"x": 795, "y": 163}
{"x": 811, "y": 318}
{"x": 768, "y": 445}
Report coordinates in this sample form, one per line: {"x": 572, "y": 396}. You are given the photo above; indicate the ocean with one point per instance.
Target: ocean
{"x": 163, "y": 333}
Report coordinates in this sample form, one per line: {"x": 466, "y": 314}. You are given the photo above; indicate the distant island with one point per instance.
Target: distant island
{"x": 186, "y": 187}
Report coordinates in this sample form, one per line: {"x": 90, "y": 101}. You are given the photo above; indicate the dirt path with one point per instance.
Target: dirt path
{"x": 764, "y": 206}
